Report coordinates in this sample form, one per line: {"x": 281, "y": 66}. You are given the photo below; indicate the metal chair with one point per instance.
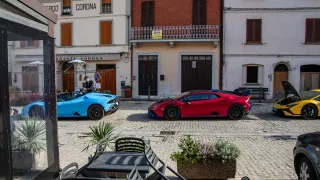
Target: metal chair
{"x": 70, "y": 171}
{"x": 130, "y": 144}
{"x": 134, "y": 174}
{"x": 153, "y": 160}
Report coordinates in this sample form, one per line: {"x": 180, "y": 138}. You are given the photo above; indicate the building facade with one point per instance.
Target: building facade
{"x": 175, "y": 47}
{"x": 266, "y": 42}
{"x": 96, "y": 32}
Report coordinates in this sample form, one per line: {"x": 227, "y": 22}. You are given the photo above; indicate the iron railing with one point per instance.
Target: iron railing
{"x": 175, "y": 32}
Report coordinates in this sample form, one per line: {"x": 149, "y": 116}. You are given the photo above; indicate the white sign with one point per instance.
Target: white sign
{"x": 194, "y": 64}
{"x": 98, "y": 85}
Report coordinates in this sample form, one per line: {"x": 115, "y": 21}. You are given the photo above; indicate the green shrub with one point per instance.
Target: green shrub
{"x": 191, "y": 150}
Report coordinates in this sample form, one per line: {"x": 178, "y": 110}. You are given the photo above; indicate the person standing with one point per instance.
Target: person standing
{"x": 88, "y": 84}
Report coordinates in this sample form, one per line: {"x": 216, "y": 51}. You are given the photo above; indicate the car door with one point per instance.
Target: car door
{"x": 194, "y": 105}
{"x": 211, "y": 105}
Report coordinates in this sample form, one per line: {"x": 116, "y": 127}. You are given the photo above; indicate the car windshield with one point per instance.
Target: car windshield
{"x": 309, "y": 94}
{"x": 179, "y": 95}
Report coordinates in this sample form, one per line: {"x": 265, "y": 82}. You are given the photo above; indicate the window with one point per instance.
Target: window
{"x": 197, "y": 97}
{"x": 199, "y": 12}
{"x": 252, "y": 74}
{"x": 66, "y": 9}
{"x": 212, "y": 96}
{"x": 105, "y": 32}
{"x": 147, "y": 14}
{"x": 254, "y": 30}
{"x": 312, "y": 30}
{"x": 106, "y": 6}
{"x": 66, "y": 34}
{"x": 29, "y": 43}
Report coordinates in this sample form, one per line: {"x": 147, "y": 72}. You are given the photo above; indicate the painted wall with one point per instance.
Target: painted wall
{"x": 169, "y": 63}
{"x": 270, "y": 3}
{"x": 178, "y": 13}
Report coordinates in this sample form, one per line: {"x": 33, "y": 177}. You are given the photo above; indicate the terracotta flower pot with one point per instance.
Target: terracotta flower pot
{"x": 128, "y": 93}
{"x": 23, "y": 160}
{"x": 208, "y": 170}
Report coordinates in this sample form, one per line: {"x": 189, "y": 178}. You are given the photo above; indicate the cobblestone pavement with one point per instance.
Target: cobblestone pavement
{"x": 266, "y": 141}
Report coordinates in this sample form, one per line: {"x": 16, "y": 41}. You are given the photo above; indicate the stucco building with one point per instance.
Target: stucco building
{"x": 266, "y": 42}
{"x": 175, "y": 46}
{"x": 96, "y": 32}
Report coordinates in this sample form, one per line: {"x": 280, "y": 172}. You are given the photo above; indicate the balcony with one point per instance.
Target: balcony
{"x": 175, "y": 33}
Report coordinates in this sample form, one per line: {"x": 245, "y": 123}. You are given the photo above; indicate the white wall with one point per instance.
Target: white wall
{"x": 271, "y": 3}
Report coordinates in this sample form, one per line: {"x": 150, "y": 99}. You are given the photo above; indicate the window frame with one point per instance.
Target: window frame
{"x": 62, "y": 8}
{"x": 260, "y": 74}
{"x": 112, "y": 31}
{"x": 147, "y": 17}
{"x": 101, "y": 7}
{"x": 253, "y": 35}
{"x": 197, "y": 12}
{"x": 71, "y": 36}
{"x": 313, "y": 31}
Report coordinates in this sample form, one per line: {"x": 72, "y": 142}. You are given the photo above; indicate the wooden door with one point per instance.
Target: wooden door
{"x": 68, "y": 79}
{"x": 196, "y": 73}
{"x": 108, "y": 80}
{"x": 278, "y": 78}
{"x": 30, "y": 79}
{"x": 148, "y": 76}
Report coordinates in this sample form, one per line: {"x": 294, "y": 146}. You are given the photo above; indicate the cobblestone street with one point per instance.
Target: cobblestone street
{"x": 266, "y": 141}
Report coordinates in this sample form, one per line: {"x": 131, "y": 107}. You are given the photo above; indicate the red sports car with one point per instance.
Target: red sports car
{"x": 202, "y": 103}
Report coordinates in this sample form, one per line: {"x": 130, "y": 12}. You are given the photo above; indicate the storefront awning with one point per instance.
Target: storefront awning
{"x": 88, "y": 57}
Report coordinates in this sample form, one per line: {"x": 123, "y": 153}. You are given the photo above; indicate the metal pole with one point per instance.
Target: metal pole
{"x": 148, "y": 93}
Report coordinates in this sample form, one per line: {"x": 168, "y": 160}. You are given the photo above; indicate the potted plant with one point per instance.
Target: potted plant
{"x": 27, "y": 143}
{"x": 206, "y": 161}
{"x": 128, "y": 91}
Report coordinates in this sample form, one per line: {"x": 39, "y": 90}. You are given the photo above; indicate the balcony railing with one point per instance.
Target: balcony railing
{"x": 175, "y": 32}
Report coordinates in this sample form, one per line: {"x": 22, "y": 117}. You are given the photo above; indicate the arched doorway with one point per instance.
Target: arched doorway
{"x": 280, "y": 74}
{"x": 67, "y": 77}
{"x": 309, "y": 77}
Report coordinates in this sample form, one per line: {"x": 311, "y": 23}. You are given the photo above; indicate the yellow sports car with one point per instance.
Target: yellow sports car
{"x": 306, "y": 104}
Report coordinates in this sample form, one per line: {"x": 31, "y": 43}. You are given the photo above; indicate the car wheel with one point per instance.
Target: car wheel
{"x": 171, "y": 113}
{"x": 36, "y": 112}
{"x": 306, "y": 170}
{"x": 235, "y": 112}
{"x": 309, "y": 111}
{"x": 95, "y": 112}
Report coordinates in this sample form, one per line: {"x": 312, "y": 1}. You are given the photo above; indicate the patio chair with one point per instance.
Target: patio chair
{"x": 154, "y": 161}
{"x": 70, "y": 171}
{"x": 130, "y": 144}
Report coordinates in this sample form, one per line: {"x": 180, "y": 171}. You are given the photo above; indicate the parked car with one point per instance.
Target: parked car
{"x": 307, "y": 156}
{"x": 92, "y": 105}
{"x": 306, "y": 104}
{"x": 201, "y": 103}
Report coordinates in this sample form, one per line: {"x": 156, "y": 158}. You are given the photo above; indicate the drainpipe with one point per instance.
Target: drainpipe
{"x": 221, "y": 46}
{"x": 130, "y": 21}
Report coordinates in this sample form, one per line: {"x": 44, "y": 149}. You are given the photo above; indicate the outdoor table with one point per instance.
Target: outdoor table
{"x": 122, "y": 162}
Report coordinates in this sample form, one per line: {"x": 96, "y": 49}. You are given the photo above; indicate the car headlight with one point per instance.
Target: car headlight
{"x": 112, "y": 101}
{"x": 291, "y": 105}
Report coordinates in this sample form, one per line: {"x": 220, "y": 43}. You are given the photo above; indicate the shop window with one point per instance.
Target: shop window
{"x": 312, "y": 30}
{"x": 106, "y": 6}
{"x": 105, "y": 32}
{"x": 66, "y": 34}
{"x": 66, "y": 7}
{"x": 254, "y": 30}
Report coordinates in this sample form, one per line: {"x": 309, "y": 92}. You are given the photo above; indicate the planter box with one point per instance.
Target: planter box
{"x": 128, "y": 93}
{"x": 208, "y": 170}
{"x": 23, "y": 160}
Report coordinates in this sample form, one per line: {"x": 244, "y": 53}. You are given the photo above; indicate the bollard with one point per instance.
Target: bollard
{"x": 260, "y": 94}
{"x": 148, "y": 93}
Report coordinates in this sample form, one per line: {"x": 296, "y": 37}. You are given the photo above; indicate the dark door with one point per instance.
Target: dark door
{"x": 148, "y": 75}
{"x": 68, "y": 78}
{"x": 30, "y": 79}
{"x": 108, "y": 77}
{"x": 196, "y": 73}
{"x": 5, "y": 144}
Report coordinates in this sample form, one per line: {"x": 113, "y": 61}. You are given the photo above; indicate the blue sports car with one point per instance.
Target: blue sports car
{"x": 92, "y": 105}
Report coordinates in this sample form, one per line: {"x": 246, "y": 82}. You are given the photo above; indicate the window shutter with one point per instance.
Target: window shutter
{"x": 144, "y": 14}
{"x": 249, "y": 30}
{"x": 195, "y": 12}
{"x": 103, "y": 34}
{"x": 66, "y": 34}
{"x": 309, "y": 30}
{"x": 22, "y": 44}
{"x": 63, "y": 35}
{"x": 36, "y": 43}
{"x": 109, "y": 32}
{"x": 317, "y": 30}
{"x": 66, "y": 3}
{"x": 69, "y": 29}
{"x": 203, "y": 12}
{"x": 257, "y": 29}
{"x": 151, "y": 16}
